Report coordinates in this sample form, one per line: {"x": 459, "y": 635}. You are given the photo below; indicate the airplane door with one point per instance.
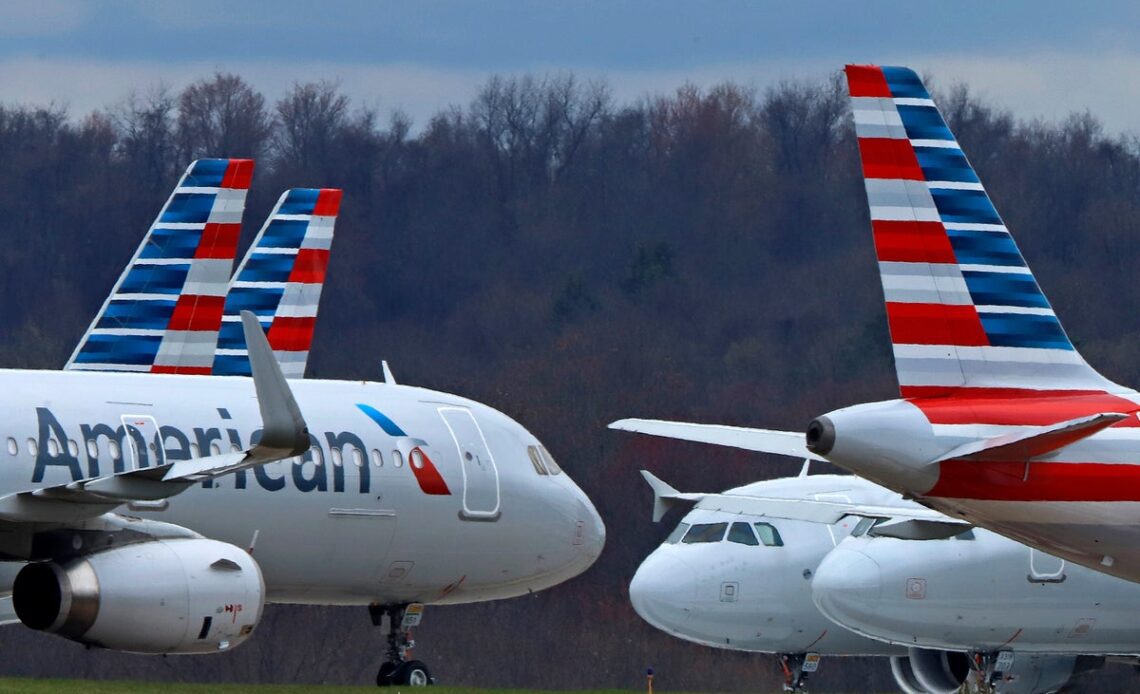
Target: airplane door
{"x": 480, "y": 476}
{"x": 142, "y": 444}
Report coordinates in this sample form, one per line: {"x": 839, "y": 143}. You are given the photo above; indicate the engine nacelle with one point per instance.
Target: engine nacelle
{"x": 939, "y": 672}
{"x": 160, "y": 596}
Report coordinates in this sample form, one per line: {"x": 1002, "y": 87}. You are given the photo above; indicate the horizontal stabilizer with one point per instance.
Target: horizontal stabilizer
{"x": 924, "y": 523}
{"x": 1033, "y": 442}
{"x": 760, "y": 440}
{"x": 665, "y": 496}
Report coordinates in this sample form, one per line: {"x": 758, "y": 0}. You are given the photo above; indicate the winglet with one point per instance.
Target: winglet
{"x": 665, "y": 496}
{"x": 388, "y": 377}
{"x": 284, "y": 431}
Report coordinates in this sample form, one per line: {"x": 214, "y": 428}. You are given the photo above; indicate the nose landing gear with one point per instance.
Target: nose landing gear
{"x": 397, "y": 669}
{"x": 796, "y": 667}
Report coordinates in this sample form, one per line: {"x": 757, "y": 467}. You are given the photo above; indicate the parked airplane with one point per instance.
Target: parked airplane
{"x": 743, "y": 567}
{"x": 379, "y": 494}
{"x": 1001, "y": 421}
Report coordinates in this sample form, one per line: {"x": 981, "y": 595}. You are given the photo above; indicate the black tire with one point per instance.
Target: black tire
{"x": 412, "y": 674}
{"x": 384, "y": 677}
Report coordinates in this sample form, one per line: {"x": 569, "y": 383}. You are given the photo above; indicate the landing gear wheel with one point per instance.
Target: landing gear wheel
{"x": 413, "y": 674}
{"x": 384, "y": 677}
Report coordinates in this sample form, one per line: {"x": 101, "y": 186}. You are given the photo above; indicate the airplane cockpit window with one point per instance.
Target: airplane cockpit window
{"x": 549, "y": 460}
{"x": 768, "y": 534}
{"x": 967, "y": 535}
{"x": 677, "y": 534}
{"x": 705, "y": 532}
{"x": 741, "y": 533}
{"x": 536, "y": 460}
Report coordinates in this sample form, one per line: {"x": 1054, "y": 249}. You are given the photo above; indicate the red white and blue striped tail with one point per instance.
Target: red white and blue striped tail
{"x": 963, "y": 307}
{"x": 280, "y": 281}
{"x": 164, "y": 314}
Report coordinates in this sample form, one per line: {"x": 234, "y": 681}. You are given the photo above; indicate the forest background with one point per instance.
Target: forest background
{"x": 703, "y": 255}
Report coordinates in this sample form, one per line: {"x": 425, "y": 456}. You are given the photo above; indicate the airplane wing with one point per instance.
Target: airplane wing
{"x": 904, "y": 522}
{"x": 761, "y": 440}
{"x": 284, "y": 434}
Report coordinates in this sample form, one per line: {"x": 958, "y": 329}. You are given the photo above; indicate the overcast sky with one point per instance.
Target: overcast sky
{"x": 1040, "y": 59}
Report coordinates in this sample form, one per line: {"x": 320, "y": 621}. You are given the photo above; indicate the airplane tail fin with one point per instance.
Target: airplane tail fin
{"x": 164, "y": 313}
{"x": 280, "y": 281}
{"x": 963, "y": 307}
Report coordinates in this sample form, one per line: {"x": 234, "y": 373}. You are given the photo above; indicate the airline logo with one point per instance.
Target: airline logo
{"x": 280, "y": 281}
{"x": 427, "y": 475}
{"x": 165, "y": 311}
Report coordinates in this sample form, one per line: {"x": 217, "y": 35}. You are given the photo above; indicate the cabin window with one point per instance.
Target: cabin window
{"x": 318, "y": 456}
{"x": 768, "y": 534}
{"x": 195, "y": 452}
{"x": 93, "y": 449}
{"x": 13, "y": 447}
{"x": 549, "y": 460}
{"x": 397, "y": 459}
{"x": 337, "y": 458}
{"x": 73, "y": 448}
{"x": 33, "y": 447}
{"x": 705, "y": 532}
{"x": 677, "y": 534}
{"x": 357, "y": 457}
{"x": 114, "y": 450}
{"x": 536, "y": 460}
{"x": 741, "y": 533}
{"x": 53, "y": 447}
{"x": 377, "y": 458}
{"x": 215, "y": 449}
{"x": 417, "y": 458}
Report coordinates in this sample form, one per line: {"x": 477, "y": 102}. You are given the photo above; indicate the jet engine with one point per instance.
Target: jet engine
{"x": 938, "y": 672}
{"x": 943, "y": 672}
{"x": 158, "y": 596}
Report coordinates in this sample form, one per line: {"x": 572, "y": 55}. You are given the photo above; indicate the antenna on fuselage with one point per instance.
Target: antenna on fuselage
{"x": 388, "y": 377}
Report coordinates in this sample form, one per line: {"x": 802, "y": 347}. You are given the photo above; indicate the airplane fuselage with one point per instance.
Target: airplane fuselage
{"x": 407, "y": 494}
{"x": 982, "y": 595}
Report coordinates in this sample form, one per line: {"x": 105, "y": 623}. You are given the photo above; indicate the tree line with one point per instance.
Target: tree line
{"x": 571, "y": 260}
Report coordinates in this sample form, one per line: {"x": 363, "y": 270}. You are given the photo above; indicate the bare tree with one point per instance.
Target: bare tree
{"x": 222, "y": 117}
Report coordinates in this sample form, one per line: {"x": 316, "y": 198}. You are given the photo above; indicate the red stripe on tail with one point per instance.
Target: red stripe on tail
{"x": 218, "y": 241}
{"x": 912, "y": 242}
{"x": 886, "y": 158}
{"x": 328, "y": 203}
{"x": 197, "y": 313}
{"x": 309, "y": 266}
{"x": 935, "y": 324}
{"x": 291, "y": 334}
{"x": 238, "y": 174}
{"x": 867, "y": 80}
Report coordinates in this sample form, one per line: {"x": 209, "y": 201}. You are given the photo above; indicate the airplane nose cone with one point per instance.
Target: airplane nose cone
{"x": 847, "y": 586}
{"x": 592, "y": 531}
{"x": 663, "y": 591}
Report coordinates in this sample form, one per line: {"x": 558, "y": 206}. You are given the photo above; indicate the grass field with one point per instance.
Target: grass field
{"x": 35, "y": 686}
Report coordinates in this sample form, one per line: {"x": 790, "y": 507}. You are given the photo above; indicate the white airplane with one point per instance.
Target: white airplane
{"x": 1000, "y": 420}
{"x": 968, "y": 606}
{"x": 133, "y": 505}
